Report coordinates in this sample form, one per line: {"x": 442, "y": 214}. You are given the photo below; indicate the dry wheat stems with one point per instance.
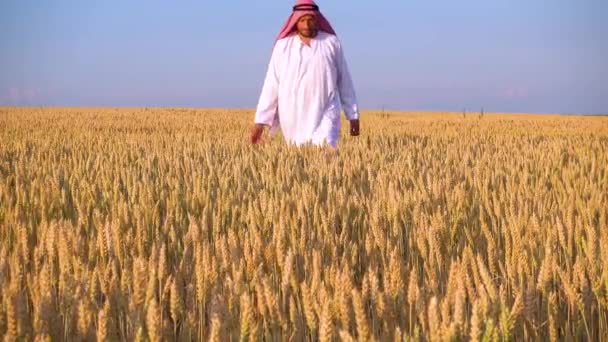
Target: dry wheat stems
{"x": 165, "y": 224}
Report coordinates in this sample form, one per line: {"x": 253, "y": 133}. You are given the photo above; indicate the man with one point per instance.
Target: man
{"x": 307, "y": 83}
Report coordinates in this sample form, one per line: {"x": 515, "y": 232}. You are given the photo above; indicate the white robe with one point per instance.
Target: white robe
{"x": 305, "y": 89}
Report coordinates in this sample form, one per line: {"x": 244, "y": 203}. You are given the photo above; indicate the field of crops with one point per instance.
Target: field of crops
{"x": 166, "y": 224}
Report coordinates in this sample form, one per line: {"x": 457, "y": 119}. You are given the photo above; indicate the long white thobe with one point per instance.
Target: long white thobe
{"x": 305, "y": 89}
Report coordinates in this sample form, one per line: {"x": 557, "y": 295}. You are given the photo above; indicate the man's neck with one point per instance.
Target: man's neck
{"x": 307, "y": 40}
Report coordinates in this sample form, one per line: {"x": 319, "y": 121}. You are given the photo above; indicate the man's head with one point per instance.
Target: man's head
{"x": 307, "y": 26}
{"x": 307, "y": 20}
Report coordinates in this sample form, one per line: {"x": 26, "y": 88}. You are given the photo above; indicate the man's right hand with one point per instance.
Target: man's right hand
{"x": 256, "y": 133}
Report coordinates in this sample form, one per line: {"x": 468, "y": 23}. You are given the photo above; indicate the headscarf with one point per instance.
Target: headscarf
{"x": 300, "y": 9}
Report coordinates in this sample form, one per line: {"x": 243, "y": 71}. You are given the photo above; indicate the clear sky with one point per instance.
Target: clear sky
{"x": 504, "y": 55}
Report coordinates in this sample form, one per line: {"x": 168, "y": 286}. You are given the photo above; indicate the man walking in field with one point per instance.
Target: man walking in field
{"x": 307, "y": 83}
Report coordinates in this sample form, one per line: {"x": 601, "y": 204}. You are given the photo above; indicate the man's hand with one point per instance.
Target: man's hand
{"x": 256, "y": 133}
{"x": 354, "y": 127}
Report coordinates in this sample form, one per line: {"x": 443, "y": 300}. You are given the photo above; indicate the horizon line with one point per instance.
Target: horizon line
{"x": 384, "y": 109}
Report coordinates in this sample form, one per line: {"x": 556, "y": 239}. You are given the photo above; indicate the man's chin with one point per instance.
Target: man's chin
{"x": 308, "y": 34}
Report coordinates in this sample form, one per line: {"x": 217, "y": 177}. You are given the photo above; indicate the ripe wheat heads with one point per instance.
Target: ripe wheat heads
{"x": 150, "y": 224}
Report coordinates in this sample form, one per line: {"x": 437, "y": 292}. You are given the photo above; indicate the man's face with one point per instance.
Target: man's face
{"x": 307, "y": 26}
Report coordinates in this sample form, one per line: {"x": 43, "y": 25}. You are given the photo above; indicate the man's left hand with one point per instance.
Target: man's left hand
{"x": 354, "y": 127}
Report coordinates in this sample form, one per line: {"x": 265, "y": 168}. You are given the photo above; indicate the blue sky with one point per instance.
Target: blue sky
{"x": 544, "y": 56}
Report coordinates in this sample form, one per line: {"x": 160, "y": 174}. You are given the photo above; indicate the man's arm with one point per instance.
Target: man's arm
{"x": 346, "y": 87}
{"x": 268, "y": 101}
{"x": 266, "y": 112}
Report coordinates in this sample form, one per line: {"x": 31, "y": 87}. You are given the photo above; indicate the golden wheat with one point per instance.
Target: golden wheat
{"x": 166, "y": 224}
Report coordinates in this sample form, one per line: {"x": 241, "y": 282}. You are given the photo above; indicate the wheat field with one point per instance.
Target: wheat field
{"x": 166, "y": 224}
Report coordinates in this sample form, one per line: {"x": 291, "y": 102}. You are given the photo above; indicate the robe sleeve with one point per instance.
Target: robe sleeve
{"x": 346, "y": 87}
{"x": 267, "y": 107}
